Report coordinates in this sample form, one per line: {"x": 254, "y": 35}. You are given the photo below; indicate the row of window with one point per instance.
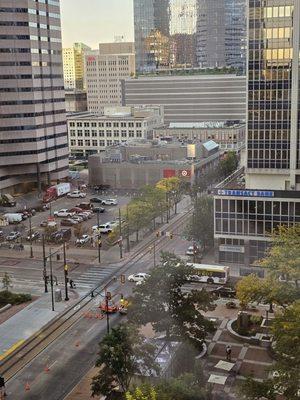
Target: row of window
{"x": 32, "y": 11}
{"x": 94, "y": 143}
{"x": 102, "y": 133}
{"x": 30, "y": 37}
{"x": 34, "y": 76}
{"x": 258, "y": 207}
{"x": 29, "y": 152}
{"x": 35, "y": 139}
{"x": 32, "y": 115}
{"x": 31, "y": 127}
{"x": 30, "y": 50}
{"x": 29, "y": 63}
{"x": 27, "y": 102}
{"x": 106, "y": 124}
{"x": 31, "y": 89}
{"x": 31, "y": 25}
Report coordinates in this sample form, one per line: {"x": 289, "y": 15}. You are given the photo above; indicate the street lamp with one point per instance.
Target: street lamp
{"x": 66, "y": 273}
{"x": 99, "y": 237}
{"x": 44, "y": 265}
{"x": 120, "y": 232}
{"x": 30, "y": 236}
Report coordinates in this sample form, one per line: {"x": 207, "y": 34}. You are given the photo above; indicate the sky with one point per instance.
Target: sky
{"x": 95, "y": 21}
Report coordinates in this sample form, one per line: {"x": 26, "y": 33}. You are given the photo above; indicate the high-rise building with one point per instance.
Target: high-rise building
{"x": 33, "y": 134}
{"x": 104, "y": 70}
{"x": 73, "y": 62}
{"x": 168, "y": 23}
{"x": 205, "y": 33}
{"x": 221, "y": 33}
{"x": 248, "y": 209}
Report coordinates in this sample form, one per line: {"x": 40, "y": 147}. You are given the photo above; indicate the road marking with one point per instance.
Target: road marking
{"x": 11, "y": 349}
{"x": 77, "y": 307}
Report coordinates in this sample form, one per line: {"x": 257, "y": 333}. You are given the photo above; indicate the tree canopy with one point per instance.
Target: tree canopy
{"x": 162, "y": 301}
{"x": 123, "y": 353}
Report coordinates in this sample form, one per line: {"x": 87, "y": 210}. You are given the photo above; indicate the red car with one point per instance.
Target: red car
{"x": 76, "y": 210}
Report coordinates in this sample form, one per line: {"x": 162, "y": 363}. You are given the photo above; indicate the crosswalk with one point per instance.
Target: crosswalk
{"x": 95, "y": 275}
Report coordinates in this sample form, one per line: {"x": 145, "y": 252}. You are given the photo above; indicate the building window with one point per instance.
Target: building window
{"x": 94, "y": 124}
{"x": 94, "y": 133}
{"x": 79, "y": 124}
{"x": 102, "y": 143}
{"x": 95, "y": 143}
{"x": 109, "y": 143}
{"x": 108, "y": 133}
{"x": 116, "y": 133}
{"x": 116, "y": 124}
{"x": 72, "y": 132}
{"x": 79, "y": 133}
{"x": 139, "y": 133}
{"x": 73, "y": 142}
{"x": 123, "y": 133}
{"x": 138, "y": 124}
{"x": 86, "y": 124}
{"x": 80, "y": 142}
{"x": 72, "y": 124}
{"x": 108, "y": 124}
{"x": 123, "y": 124}
{"x": 101, "y": 133}
{"x": 101, "y": 124}
{"x": 131, "y": 133}
{"x": 87, "y": 142}
{"x": 87, "y": 133}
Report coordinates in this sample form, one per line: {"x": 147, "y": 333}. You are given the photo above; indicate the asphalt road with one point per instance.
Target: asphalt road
{"x": 70, "y": 357}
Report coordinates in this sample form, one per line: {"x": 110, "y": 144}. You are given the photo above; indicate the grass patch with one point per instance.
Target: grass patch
{"x": 7, "y": 297}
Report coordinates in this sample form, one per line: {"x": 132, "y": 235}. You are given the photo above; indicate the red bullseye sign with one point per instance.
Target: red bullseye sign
{"x": 185, "y": 173}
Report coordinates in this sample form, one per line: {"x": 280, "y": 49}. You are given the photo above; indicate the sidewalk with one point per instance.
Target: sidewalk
{"x": 18, "y": 328}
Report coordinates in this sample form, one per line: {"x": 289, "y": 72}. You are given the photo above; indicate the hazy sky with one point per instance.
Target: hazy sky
{"x": 95, "y": 21}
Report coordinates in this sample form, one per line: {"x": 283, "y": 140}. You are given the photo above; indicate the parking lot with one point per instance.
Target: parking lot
{"x": 110, "y": 214}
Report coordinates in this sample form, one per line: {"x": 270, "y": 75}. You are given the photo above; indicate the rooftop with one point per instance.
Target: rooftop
{"x": 206, "y": 124}
{"x": 186, "y": 75}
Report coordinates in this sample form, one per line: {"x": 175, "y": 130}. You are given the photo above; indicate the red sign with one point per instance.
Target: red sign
{"x": 169, "y": 173}
{"x": 185, "y": 173}
{"x": 91, "y": 59}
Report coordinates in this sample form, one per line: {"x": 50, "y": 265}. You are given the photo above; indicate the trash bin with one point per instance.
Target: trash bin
{"x": 58, "y": 296}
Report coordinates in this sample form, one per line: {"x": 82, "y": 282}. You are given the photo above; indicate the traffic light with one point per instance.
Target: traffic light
{"x": 123, "y": 279}
{"x": 66, "y": 268}
{"x": 171, "y": 235}
{"x": 108, "y": 295}
{"x": 157, "y": 234}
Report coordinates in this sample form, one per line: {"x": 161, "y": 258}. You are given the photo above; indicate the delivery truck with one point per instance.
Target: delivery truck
{"x": 53, "y": 192}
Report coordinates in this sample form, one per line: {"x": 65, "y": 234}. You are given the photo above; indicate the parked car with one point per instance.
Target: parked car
{"x": 34, "y": 236}
{"x": 85, "y": 206}
{"x": 62, "y": 235}
{"x": 224, "y": 291}
{"x": 76, "y": 194}
{"x": 138, "y": 277}
{"x": 84, "y": 216}
{"x": 77, "y": 218}
{"x": 76, "y": 210}
{"x": 83, "y": 240}
{"x": 98, "y": 209}
{"x": 109, "y": 202}
{"x": 88, "y": 214}
{"x": 96, "y": 200}
{"x": 104, "y": 228}
{"x": 44, "y": 224}
{"x": 68, "y": 222}
{"x": 13, "y": 236}
{"x": 64, "y": 213}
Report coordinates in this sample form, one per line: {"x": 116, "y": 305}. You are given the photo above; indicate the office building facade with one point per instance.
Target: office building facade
{"x": 104, "y": 70}
{"x": 190, "y": 99}
{"x": 73, "y": 63}
{"x": 33, "y": 132}
{"x": 221, "y": 34}
{"x": 249, "y": 208}
{"x": 189, "y": 33}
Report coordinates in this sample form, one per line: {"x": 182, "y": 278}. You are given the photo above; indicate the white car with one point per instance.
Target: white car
{"x": 138, "y": 277}
{"x": 109, "y": 202}
{"x": 76, "y": 194}
{"x": 83, "y": 240}
{"x": 190, "y": 251}
{"x": 64, "y": 213}
{"x": 104, "y": 228}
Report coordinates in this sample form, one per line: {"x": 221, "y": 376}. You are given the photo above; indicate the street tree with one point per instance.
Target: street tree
{"x": 156, "y": 198}
{"x": 201, "y": 225}
{"x": 144, "y": 392}
{"x": 252, "y": 289}
{"x": 162, "y": 302}
{"x": 286, "y": 370}
{"x": 283, "y": 257}
{"x": 173, "y": 188}
{"x": 228, "y": 165}
{"x": 6, "y": 282}
{"x": 123, "y": 353}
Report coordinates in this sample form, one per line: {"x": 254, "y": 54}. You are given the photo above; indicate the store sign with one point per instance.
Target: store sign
{"x": 245, "y": 193}
{"x": 185, "y": 173}
{"x": 91, "y": 58}
{"x": 232, "y": 249}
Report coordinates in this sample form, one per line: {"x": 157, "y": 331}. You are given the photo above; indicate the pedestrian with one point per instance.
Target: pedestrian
{"x": 228, "y": 352}
{"x": 71, "y": 284}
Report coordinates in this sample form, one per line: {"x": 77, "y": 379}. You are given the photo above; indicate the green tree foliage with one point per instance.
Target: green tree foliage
{"x": 286, "y": 370}
{"x": 228, "y": 165}
{"x": 6, "y": 282}
{"x": 161, "y": 301}
{"x": 145, "y": 392}
{"x": 252, "y": 289}
{"x": 123, "y": 353}
{"x": 283, "y": 257}
{"x": 201, "y": 225}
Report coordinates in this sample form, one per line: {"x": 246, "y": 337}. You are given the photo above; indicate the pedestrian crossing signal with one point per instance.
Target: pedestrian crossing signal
{"x": 123, "y": 279}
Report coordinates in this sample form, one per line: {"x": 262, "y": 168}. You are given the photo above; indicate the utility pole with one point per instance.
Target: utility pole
{"x": 120, "y": 232}
{"x": 51, "y": 279}
{"x": 128, "y": 238}
{"x": 30, "y": 236}
{"x": 44, "y": 264}
{"x": 66, "y": 273}
{"x": 167, "y": 201}
{"x": 154, "y": 254}
{"x": 99, "y": 238}
{"x": 107, "y": 298}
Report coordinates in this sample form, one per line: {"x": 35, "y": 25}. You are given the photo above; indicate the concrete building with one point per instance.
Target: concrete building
{"x": 75, "y": 101}
{"x": 228, "y": 136}
{"x": 186, "y": 98}
{"x": 33, "y": 132}
{"x": 133, "y": 165}
{"x": 248, "y": 208}
{"x": 73, "y": 63}
{"x": 92, "y": 133}
{"x": 104, "y": 70}
{"x": 221, "y": 34}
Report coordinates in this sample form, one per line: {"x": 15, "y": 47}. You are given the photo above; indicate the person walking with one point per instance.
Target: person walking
{"x": 228, "y": 352}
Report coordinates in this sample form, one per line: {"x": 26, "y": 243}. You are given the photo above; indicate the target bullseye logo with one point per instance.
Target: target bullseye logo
{"x": 184, "y": 173}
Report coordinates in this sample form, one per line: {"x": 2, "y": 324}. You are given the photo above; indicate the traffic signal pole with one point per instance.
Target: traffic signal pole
{"x": 66, "y": 273}
{"x": 44, "y": 265}
{"x": 99, "y": 238}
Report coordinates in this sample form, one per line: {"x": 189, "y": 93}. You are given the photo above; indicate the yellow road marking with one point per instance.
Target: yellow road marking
{"x": 11, "y": 349}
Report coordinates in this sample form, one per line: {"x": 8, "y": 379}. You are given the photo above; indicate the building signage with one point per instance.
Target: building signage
{"x": 91, "y": 58}
{"x": 232, "y": 249}
{"x": 185, "y": 173}
{"x": 245, "y": 193}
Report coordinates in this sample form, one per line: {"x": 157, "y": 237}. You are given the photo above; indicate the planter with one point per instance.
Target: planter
{"x": 203, "y": 352}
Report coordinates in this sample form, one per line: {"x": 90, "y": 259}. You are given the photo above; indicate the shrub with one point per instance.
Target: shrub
{"x": 7, "y": 297}
{"x": 256, "y": 319}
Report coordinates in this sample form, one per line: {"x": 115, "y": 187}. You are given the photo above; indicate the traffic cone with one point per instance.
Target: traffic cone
{"x": 47, "y": 369}
{"x": 27, "y": 387}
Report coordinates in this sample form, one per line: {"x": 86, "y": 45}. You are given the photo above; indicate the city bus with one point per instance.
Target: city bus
{"x": 205, "y": 273}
